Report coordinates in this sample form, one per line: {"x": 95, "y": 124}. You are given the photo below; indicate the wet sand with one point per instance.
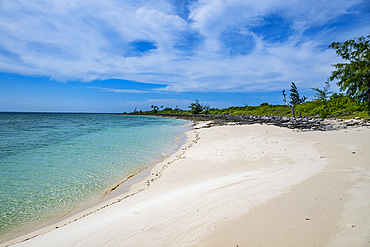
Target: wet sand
{"x": 249, "y": 185}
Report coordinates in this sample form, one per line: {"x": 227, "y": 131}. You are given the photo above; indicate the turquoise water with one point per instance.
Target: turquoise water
{"x": 51, "y": 163}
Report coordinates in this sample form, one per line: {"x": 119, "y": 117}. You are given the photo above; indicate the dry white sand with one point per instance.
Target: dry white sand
{"x": 252, "y": 185}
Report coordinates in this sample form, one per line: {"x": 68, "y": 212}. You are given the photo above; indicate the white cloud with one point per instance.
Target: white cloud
{"x": 117, "y": 90}
{"x": 89, "y": 40}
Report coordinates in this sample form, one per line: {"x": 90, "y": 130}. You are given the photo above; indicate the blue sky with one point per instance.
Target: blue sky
{"x": 114, "y": 56}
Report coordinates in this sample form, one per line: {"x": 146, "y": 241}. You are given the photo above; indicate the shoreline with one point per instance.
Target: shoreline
{"x": 298, "y": 123}
{"x": 89, "y": 206}
{"x": 222, "y": 175}
{"x": 96, "y": 203}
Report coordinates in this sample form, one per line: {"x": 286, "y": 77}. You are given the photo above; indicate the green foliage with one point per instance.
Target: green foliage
{"x": 336, "y": 95}
{"x": 338, "y": 105}
{"x": 177, "y": 109}
{"x": 277, "y": 110}
{"x": 323, "y": 95}
{"x": 294, "y": 97}
{"x": 196, "y": 107}
{"x": 354, "y": 75}
{"x": 155, "y": 109}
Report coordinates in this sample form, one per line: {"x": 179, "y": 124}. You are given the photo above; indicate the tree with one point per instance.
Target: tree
{"x": 353, "y": 76}
{"x": 294, "y": 98}
{"x": 177, "y": 108}
{"x": 155, "y": 109}
{"x": 196, "y": 107}
{"x": 323, "y": 95}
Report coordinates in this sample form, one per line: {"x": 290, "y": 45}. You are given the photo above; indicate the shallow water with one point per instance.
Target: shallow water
{"x": 51, "y": 163}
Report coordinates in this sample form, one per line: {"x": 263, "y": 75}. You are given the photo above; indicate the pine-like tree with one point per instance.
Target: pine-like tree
{"x": 294, "y": 98}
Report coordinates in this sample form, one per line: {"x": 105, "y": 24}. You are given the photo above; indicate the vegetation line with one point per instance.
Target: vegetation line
{"x": 337, "y": 106}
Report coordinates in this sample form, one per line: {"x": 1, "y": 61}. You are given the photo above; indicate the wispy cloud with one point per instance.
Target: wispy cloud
{"x": 115, "y": 90}
{"x": 190, "y": 46}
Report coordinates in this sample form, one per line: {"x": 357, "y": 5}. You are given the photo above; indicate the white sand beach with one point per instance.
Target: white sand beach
{"x": 249, "y": 185}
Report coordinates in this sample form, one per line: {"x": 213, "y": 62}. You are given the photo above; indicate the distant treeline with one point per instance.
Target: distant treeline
{"x": 337, "y": 106}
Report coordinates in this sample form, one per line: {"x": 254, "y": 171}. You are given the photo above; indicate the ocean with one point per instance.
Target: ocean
{"x": 52, "y": 163}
